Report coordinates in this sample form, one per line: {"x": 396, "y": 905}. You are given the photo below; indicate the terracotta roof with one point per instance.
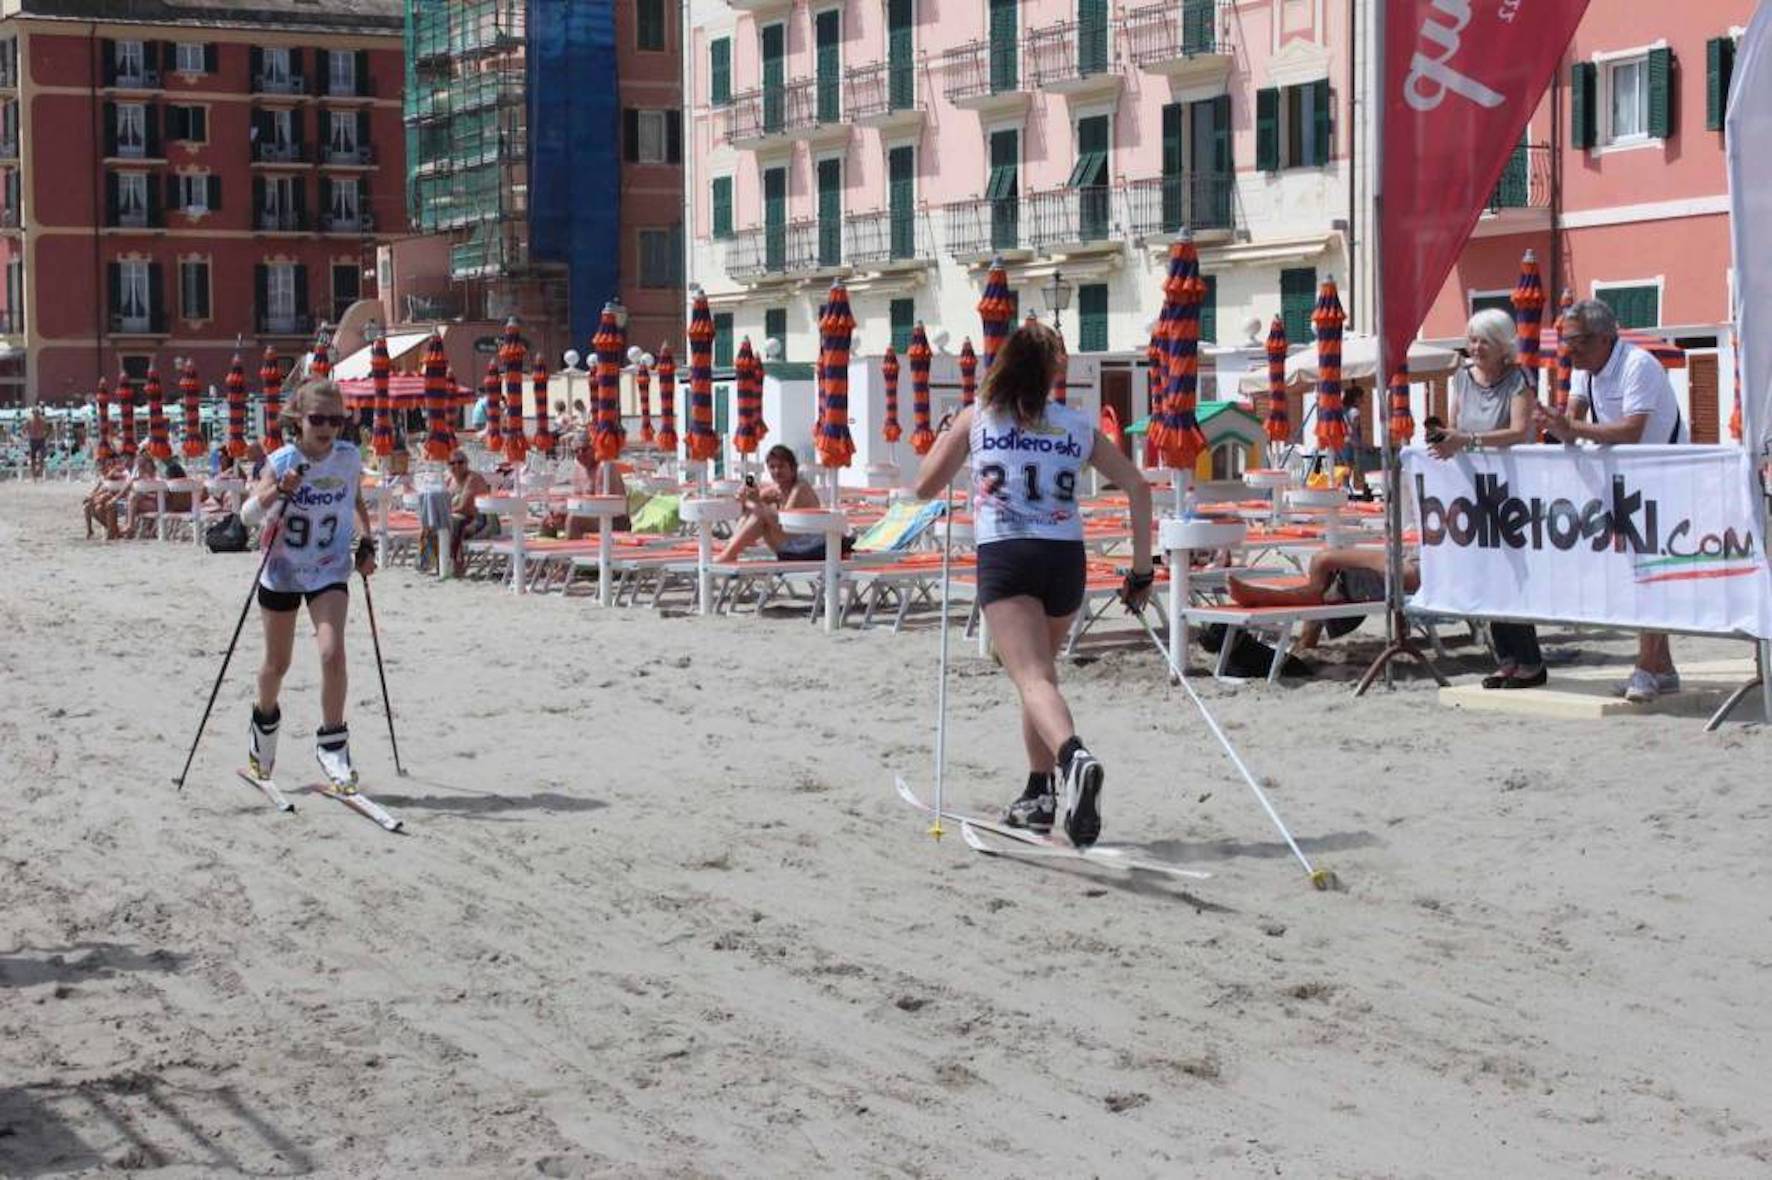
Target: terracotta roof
{"x": 382, "y": 17}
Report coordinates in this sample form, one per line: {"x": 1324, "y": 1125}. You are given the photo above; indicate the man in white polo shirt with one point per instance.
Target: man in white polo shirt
{"x": 1632, "y": 403}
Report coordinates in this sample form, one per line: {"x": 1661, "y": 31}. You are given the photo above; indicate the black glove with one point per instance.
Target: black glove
{"x": 1134, "y": 585}
{"x": 365, "y": 551}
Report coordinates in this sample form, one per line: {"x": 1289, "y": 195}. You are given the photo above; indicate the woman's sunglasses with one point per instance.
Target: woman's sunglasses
{"x": 333, "y": 420}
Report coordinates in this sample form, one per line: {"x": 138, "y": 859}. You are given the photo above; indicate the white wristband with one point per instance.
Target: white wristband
{"x": 252, "y": 510}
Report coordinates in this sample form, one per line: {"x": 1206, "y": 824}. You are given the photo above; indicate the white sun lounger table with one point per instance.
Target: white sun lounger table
{"x": 830, "y": 525}
{"x": 194, "y": 518}
{"x": 514, "y": 511}
{"x": 704, "y": 512}
{"x": 606, "y": 509}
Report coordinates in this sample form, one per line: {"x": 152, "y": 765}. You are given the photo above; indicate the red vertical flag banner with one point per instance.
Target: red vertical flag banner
{"x": 1460, "y": 80}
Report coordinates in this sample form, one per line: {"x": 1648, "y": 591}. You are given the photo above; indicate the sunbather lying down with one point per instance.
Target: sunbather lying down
{"x": 1335, "y": 575}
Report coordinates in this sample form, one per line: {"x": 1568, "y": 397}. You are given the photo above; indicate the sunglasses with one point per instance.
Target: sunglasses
{"x": 333, "y": 420}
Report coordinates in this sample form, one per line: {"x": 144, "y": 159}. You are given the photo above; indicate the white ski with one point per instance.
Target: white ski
{"x": 268, "y": 787}
{"x": 362, "y": 804}
{"x": 1112, "y": 856}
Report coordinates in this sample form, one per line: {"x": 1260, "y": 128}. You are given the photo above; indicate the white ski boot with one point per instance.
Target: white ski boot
{"x": 261, "y": 755}
{"x": 332, "y": 748}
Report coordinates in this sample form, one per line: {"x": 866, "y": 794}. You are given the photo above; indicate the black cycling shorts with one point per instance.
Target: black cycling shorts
{"x": 1051, "y": 571}
{"x": 282, "y": 600}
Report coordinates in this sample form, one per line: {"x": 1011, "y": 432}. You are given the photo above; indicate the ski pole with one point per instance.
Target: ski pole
{"x": 386, "y": 704}
{"x": 941, "y": 691}
{"x": 1321, "y": 878}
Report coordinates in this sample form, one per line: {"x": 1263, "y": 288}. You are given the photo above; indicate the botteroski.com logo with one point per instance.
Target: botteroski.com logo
{"x": 1626, "y": 522}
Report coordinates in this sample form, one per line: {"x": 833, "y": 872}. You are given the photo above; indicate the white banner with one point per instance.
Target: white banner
{"x": 1655, "y": 537}
{"x": 1747, "y": 130}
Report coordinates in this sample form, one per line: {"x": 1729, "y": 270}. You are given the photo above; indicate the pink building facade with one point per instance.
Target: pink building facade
{"x": 1621, "y": 190}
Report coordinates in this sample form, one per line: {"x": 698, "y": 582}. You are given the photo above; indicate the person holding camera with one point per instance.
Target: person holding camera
{"x": 785, "y": 492}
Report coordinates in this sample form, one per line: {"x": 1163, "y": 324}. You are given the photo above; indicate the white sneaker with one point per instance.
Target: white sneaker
{"x": 332, "y": 748}
{"x": 261, "y": 754}
{"x": 1081, "y": 814}
{"x": 1642, "y": 688}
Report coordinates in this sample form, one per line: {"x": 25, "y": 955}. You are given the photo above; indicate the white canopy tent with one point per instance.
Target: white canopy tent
{"x": 1359, "y": 362}
{"x": 356, "y": 366}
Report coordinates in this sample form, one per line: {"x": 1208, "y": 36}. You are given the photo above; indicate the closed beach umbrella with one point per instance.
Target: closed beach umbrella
{"x": 1565, "y": 364}
{"x": 703, "y": 443}
{"x": 381, "y": 371}
{"x": 236, "y": 394}
{"x": 1328, "y": 319}
{"x": 159, "y": 438}
{"x": 744, "y": 435}
{"x": 643, "y": 383}
{"x": 106, "y": 452}
{"x": 1277, "y": 426}
{"x": 436, "y": 368}
{"x": 511, "y": 355}
{"x": 890, "y": 430}
{"x": 544, "y": 440}
{"x": 126, "y": 414}
{"x": 319, "y": 361}
{"x": 835, "y": 446}
{"x": 667, "y": 400}
{"x": 270, "y": 381}
{"x": 757, "y": 372}
{"x": 1528, "y": 301}
{"x": 494, "y": 406}
{"x": 922, "y": 434}
{"x": 190, "y": 393}
{"x": 968, "y": 373}
{"x": 1176, "y": 430}
{"x": 995, "y": 310}
{"x": 1153, "y": 372}
{"x": 608, "y": 436}
{"x": 1402, "y": 418}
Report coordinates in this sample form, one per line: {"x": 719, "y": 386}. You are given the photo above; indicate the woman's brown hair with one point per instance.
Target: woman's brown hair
{"x": 1020, "y": 379}
{"x": 295, "y": 410}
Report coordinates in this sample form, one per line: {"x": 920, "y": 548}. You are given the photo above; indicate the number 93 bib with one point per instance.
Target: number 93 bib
{"x": 1024, "y": 478}
{"x": 318, "y": 527}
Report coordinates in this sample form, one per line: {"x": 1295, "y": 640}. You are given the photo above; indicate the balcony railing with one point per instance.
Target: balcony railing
{"x": 279, "y": 221}
{"x": 983, "y": 226}
{"x": 140, "y": 80}
{"x": 9, "y": 218}
{"x": 981, "y": 69}
{"x": 138, "y": 219}
{"x": 420, "y": 308}
{"x": 281, "y": 324}
{"x": 124, "y": 323}
{"x": 287, "y": 84}
{"x": 130, "y": 151}
{"x": 1162, "y": 34}
{"x": 814, "y": 244}
{"x": 1070, "y": 217}
{"x": 270, "y": 152}
{"x": 882, "y": 89}
{"x": 8, "y": 76}
{"x": 1198, "y": 202}
{"x": 354, "y": 223}
{"x": 795, "y": 108}
{"x": 1525, "y": 182}
{"x": 12, "y": 321}
{"x": 1069, "y": 51}
{"x": 758, "y": 252}
{"x": 887, "y": 236}
{"x": 8, "y": 149}
{"x": 338, "y": 157}
{"x": 359, "y": 87}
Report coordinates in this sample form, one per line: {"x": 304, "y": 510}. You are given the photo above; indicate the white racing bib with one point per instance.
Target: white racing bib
{"x": 317, "y": 530}
{"x": 1024, "y": 478}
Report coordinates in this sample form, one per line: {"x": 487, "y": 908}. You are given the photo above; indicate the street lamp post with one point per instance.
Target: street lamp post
{"x": 1057, "y": 292}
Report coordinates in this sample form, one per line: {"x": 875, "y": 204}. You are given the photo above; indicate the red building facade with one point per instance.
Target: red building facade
{"x": 214, "y": 182}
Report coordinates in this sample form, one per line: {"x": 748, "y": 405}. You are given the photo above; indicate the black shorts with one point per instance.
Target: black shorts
{"x": 817, "y": 552}
{"x": 283, "y": 600}
{"x": 1051, "y": 571}
{"x": 39, "y": 447}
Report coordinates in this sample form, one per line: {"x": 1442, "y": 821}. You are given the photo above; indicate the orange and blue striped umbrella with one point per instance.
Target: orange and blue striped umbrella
{"x": 1277, "y": 426}
{"x": 319, "y": 361}
{"x": 703, "y": 442}
{"x": 191, "y": 393}
{"x": 995, "y": 311}
{"x": 381, "y": 372}
{"x": 1402, "y": 419}
{"x": 923, "y": 435}
{"x": 757, "y": 372}
{"x": 744, "y": 435}
{"x": 106, "y": 452}
{"x": 126, "y": 413}
{"x": 1176, "y": 430}
{"x": 1154, "y": 372}
{"x": 890, "y": 430}
{"x": 667, "y": 400}
{"x": 511, "y": 355}
{"x": 270, "y": 380}
{"x": 436, "y": 367}
{"x": 494, "y": 406}
{"x": 1565, "y": 363}
{"x": 968, "y": 373}
{"x": 1528, "y": 301}
{"x": 835, "y": 446}
{"x": 643, "y": 385}
{"x": 159, "y": 437}
{"x": 607, "y": 436}
{"x": 1328, "y": 319}
{"x": 236, "y": 393}
{"x": 544, "y": 440}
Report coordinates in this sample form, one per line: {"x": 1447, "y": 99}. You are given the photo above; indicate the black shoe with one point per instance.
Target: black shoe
{"x": 1035, "y": 811}
{"x": 1082, "y": 805}
{"x": 1536, "y": 680}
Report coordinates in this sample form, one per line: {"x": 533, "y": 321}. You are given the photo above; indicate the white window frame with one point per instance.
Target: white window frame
{"x": 1604, "y": 141}
{"x": 132, "y": 128}
{"x": 132, "y": 194}
{"x": 347, "y": 198}
{"x": 282, "y": 127}
{"x": 659, "y": 121}
{"x": 131, "y": 59}
{"x": 184, "y": 292}
{"x": 1285, "y": 121}
{"x": 1019, "y": 126}
{"x": 1659, "y": 282}
{"x": 186, "y": 49}
{"x": 193, "y": 192}
{"x": 277, "y": 188}
{"x": 276, "y": 64}
{"x": 344, "y": 133}
{"x": 1095, "y": 111}
{"x": 1472, "y": 294}
{"x": 341, "y": 79}
{"x": 280, "y": 291}
{"x": 134, "y": 296}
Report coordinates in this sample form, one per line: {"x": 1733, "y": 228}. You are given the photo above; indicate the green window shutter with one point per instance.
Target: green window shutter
{"x": 1092, "y": 153}
{"x": 1498, "y": 302}
{"x": 1583, "y": 79}
{"x": 827, "y": 28}
{"x": 1092, "y": 36}
{"x": 775, "y": 327}
{"x": 1635, "y": 307}
{"x": 1174, "y": 195}
{"x": 1719, "y": 68}
{"x": 901, "y": 198}
{"x": 774, "y": 48}
{"x": 1267, "y": 129}
{"x": 1092, "y": 312}
{"x": 722, "y": 340}
{"x": 1173, "y": 114}
{"x": 1322, "y": 138}
{"x": 1209, "y": 311}
{"x": 1005, "y": 24}
{"x": 1005, "y": 153}
{"x": 1298, "y": 298}
{"x": 901, "y": 64}
{"x": 830, "y": 212}
{"x": 649, "y": 25}
{"x": 904, "y": 322}
{"x": 1661, "y": 68}
{"x": 720, "y": 71}
{"x": 775, "y": 219}
{"x": 722, "y": 207}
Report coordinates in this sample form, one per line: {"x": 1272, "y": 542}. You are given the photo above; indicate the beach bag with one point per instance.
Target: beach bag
{"x": 227, "y": 535}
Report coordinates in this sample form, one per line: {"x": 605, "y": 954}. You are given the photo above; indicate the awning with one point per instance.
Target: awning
{"x": 356, "y": 366}
{"x": 1358, "y": 363}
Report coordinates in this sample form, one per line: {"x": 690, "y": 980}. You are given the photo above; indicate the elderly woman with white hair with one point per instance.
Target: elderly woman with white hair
{"x": 1492, "y": 403}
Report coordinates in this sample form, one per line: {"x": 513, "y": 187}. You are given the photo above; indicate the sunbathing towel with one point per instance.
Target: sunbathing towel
{"x": 903, "y": 523}
{"x": 660, "y": 514}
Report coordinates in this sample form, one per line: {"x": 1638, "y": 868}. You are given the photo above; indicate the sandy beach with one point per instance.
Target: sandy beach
{"x": 659, "y": 911}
